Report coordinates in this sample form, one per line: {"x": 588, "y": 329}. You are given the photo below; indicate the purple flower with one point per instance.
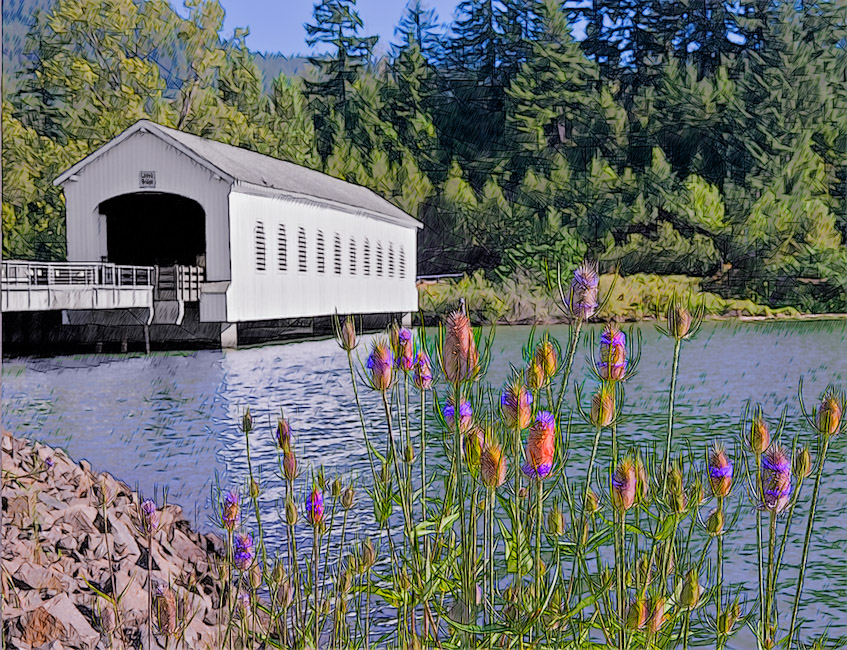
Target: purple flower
{"x": 423, "y": 371}
{"x": 243, "y": 551}
{"x": 465, "y": 415}
{"x": 315, "y": 507}
{"x": 49, "y": 463}
{"x": 149, "y": 517}
{"x": 584, "y": 291}
{"x": 380, "y": 362}
{"x": 776, "y": 479}
{"x": 405, "y": 350}
{"x": 229, "y": 515}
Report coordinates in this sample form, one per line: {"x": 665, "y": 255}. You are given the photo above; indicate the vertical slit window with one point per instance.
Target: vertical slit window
{"x": 320, "y": 248}
{"x": 281, "y": 249}
{"x": 337, "y": 251}
{"x": 261, "y": 253}
{"x": 402, "y": 262}
{"x": 379, "y": 258}
{"x": 301, "y": 244}
{"x": 352, "y": 256}
{"x": 390, "y": 260}
{"x": 366, "y": 254}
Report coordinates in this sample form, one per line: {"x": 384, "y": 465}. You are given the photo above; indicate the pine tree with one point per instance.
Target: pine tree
{"x": 337, "y": 25}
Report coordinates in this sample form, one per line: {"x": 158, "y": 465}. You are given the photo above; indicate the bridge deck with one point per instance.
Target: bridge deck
{"x": 45, "y": 286}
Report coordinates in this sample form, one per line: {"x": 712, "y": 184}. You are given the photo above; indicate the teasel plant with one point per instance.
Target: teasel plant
{"x": 682, "y": 321}
{"x": 827, "y": 421}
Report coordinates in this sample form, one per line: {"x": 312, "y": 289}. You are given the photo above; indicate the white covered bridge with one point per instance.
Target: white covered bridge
{"x": 187, "y": 237}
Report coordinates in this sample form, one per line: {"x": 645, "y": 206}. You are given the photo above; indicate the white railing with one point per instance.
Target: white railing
{"x": 29, "y": 275}
{"x": 179, "y": 282}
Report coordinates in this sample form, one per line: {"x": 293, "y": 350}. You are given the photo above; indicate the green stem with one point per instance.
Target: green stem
{"x": 538, "y": 507}
{"x": 770, "y": 593}
{"x": 573, "y": 344}
{"x": 361, "y": 416}
{"x": 671, "y": 399}
{"x": 255, "y": 500}
{"x": 806, "y": 542}
{"x": 719, "y": 582}
{"x": 759, "y": 542}
{"x": 582, "y": 518}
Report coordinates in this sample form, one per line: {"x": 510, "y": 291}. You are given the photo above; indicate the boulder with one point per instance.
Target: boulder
{"x": 77, "y": 632}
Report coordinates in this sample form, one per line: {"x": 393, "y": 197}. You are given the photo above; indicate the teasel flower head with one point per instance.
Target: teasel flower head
{"x": 728, "y": 618}
{"x": 720, "y": 472}
{"x": 346, "y": 334}
{"x": 285, "y": 593}
{"x": 802, "y": 463}
{"x": 166, "y": 610}
{"x": 690, "y": 595}
{"x": 465, "y": 415}
{"x": 459, "y": 355}
{"x": 603, "y": 407}
{"x": 556, "y": 521}
{"x": 592, "y": 503}
{"x": 760, "y": 437}
{"x": 473, "y": 442}
{"x": 423, "y": 371}
{"x": 624, "y": 485}
{"x": 289, "y": 464}
{"x": 291, "y": 514}
{"x": 547, "y": 357}
{"x": 254, "y": 489}
{"x": 679, "y": 319}
{"x": 368, "y": 554}
{"x": 657, "y": 616}
{"x": 516, "y": 404}
{"x": 776, "y": 479}
{"x": 676, "y": 491}
{"x": 638, "y": 614}
{"x": 541, "y": 446}
{"x": 230, "y": 511}
{"x": 315, "y": 507}
{"x": 380, "y": 364}
{"x": 643, "y": 490}
{"x": 535, "y": 377}
{"x": 613, "y": 362}
{"x": 405, "y": 352}
{"x": 243, "y": 555}
{"x": 244, "y": 602}
{"x": 335, "y": 488}
{"x": 149, "y": 517}
{"x": 347, "y": 497}
{"x": 247, "y": 422}
{"x": 492, "y": 466}
{"x": 830, "y": 413}
{"x": 584, "y": 289}
{"x": 715, "y": 522}
{"x": 283, "y": 433}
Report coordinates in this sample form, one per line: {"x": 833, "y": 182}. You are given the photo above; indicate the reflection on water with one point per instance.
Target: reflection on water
{"x": 168, "y": 421}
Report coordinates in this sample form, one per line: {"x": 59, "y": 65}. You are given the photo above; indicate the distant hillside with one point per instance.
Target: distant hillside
{"x": 17, "y": 18}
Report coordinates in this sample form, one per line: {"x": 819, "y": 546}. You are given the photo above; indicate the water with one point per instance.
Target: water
{"x": 169, "y": 422}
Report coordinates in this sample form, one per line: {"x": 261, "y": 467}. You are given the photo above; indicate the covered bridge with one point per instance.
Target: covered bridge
{"x": 235, "y": 236}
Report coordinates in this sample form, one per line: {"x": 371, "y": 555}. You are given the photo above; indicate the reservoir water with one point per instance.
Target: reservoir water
{"x": 169, "y": 422}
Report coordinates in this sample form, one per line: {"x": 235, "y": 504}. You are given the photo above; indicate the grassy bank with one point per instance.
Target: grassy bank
{"x": 522, "y": 300}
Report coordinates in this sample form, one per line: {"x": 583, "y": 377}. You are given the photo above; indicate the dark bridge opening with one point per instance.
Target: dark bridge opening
{"x": 154, "y": 229}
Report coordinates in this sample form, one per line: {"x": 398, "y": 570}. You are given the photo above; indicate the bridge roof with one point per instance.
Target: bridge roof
{"x": 254, "y": 170}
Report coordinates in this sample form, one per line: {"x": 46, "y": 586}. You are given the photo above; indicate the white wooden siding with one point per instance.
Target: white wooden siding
{"x": 254, "y": 295}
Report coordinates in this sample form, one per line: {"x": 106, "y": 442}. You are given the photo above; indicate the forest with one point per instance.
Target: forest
{"x": 704, "y": 139}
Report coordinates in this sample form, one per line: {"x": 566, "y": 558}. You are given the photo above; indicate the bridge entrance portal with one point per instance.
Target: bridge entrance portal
{"x": 154, "y": 229}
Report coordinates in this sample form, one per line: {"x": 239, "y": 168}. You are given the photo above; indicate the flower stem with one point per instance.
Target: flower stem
{"x": 806, "y": 542}
{"x": 573, "y": 344}
{"x": 671, "y": 399}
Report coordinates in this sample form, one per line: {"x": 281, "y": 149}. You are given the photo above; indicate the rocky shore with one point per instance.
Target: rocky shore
{"x": 66, "y": 554}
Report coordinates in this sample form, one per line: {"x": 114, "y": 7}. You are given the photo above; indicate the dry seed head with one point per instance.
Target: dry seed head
{"x": 254, "y": 489}
{"x": 291, "y": 514}
{"x": 247, "y": 422}
{"x": 107, "y": 619}
{"x": 289, "y": 464}
{"x": 347, "y": 337}
{"x": 545, "y": 355}
{"x": 256, "y": 576}
{"x": 165, "y": 608}
{"x": 592, "y": 503}
{"x": 460, "y": 356}
{"x": 368, "y": 554}
{"x": 347, "y": 497}
{"x": 335, "y": 488}
{"x": 535, "y": 377}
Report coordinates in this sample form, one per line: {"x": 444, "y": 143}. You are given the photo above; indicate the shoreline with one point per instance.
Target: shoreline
{"x": 62, "y": 559}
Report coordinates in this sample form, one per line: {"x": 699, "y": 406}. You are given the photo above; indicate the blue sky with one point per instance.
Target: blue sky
{"x": 277, "y": 25}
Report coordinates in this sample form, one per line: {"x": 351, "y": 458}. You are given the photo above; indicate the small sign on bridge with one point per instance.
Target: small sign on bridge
{"x": 146, "y": 179}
